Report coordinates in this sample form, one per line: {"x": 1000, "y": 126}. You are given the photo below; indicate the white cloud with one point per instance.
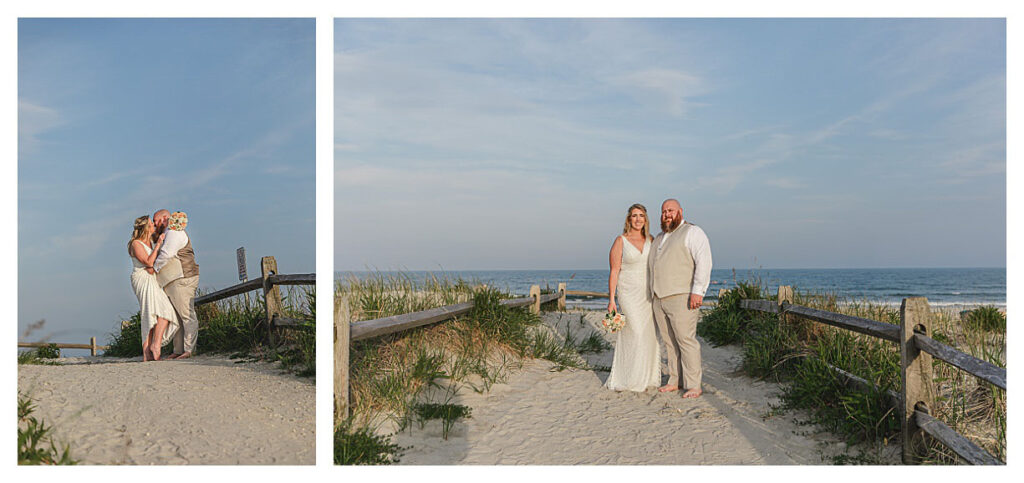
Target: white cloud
{"x": 34, "y": 120}
{"x": 671, "y": 88}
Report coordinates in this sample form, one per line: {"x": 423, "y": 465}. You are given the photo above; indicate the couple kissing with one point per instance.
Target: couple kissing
{"x": 165, "y": 277}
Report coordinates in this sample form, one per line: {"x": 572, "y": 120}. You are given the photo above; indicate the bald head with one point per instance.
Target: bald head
{"x": 160, "y": 220}
{"x": 671, "y": 215}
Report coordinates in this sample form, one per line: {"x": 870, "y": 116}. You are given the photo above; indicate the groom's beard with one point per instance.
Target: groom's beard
{"x": 671, "y": 225}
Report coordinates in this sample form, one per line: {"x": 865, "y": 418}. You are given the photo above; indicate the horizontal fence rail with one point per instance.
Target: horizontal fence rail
{"x": 60, "y": 345}
{"x": 369, "y": 329}
{"x": 984, "y": 370}
{"x": 345, "y": 333}
{"x": 960, "y": 445}
{"x": 916, "y": 350}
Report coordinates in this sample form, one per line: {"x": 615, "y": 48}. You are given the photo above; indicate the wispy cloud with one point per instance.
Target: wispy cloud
{"x": 672, "y": 89}
{"x": 33, "y": 121}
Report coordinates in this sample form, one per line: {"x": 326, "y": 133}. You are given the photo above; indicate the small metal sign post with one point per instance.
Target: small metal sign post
{"x": 240, "y": 257}
{"x": 242, "y": 275}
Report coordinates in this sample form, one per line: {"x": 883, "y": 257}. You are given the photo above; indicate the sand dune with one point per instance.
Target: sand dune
{"x": 206, "y": 410}
{"x": 542, "y": 416}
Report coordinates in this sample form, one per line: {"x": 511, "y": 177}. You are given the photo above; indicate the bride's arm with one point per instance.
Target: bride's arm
{"x": 614, "y": 263}
{"x": 140, "y": 252}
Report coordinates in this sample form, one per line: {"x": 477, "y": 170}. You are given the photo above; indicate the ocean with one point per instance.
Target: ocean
{"x": 954, "y": 287}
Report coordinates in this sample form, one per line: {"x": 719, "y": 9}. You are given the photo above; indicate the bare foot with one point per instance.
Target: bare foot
{"x": 146, "y": 356}
{"x": 183, "y": 355}
{"x": 156, "y": 354}
{"x": 668, "y": 388}
{"x": 692, "y": 393}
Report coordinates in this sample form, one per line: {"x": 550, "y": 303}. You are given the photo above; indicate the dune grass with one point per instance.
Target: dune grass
{"x": 36, "y": 445}
{"x": 237, "y": 326}
{"x": 799, "y": 353}
{"x": 413, "y": 375}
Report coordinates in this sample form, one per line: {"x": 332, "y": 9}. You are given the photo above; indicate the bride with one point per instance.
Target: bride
{"x": 636, "y": 365}
{"x": 155, "y": 310}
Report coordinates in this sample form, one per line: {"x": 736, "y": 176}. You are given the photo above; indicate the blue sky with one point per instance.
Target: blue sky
{"x": 119, "y": 118}
{"x": 519, "y": 144}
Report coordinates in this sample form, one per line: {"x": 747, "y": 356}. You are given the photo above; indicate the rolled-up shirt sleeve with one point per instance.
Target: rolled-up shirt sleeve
{"x": 700, "y": 250}
{"x": 174, "y": 241}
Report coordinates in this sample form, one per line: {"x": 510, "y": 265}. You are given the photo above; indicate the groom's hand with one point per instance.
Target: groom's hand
{"x": 696, "y": 301}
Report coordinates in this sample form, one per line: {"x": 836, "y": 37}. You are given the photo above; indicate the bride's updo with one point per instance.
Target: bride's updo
{"x": 646, "y": 230}
{"x": 139, "y": 230}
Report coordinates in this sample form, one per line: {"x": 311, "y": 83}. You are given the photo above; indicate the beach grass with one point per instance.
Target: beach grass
{"x": 36, "y": 445}
{"x": 45, "y": 355}
{"x": 394, "y": 377}
{"x": 238, "y": 326}
{"x": 802, "y": 354}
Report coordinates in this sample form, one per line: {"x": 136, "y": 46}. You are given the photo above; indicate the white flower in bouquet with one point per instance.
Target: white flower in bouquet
{"x": 614, "y": 321}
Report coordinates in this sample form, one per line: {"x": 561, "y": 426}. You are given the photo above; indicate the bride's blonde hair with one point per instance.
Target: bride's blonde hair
{"x": 646, "y": 230}
{"x": 138, "y": 230}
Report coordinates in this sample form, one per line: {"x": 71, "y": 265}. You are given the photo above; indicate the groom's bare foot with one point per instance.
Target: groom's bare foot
{"x": 183, "y": 355}
{"x": 668, "y": 388}
{"x": 692, "y": 393}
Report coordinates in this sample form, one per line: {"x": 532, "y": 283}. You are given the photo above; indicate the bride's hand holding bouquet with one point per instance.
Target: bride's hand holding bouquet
{"x": 614, "y": 321}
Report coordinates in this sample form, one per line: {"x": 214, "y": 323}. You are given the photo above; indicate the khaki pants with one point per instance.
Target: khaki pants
{"x": 677, "y": 325}
{"x": 182, "y": 293}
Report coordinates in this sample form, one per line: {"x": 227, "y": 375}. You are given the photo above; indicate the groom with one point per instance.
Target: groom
{"x": 178, "y": 274}
{"x": 680, "y": 271}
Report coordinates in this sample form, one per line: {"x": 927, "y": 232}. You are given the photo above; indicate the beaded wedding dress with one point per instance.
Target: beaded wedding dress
{"x": 637, "y": 362}
{"x": 153, "y": 302}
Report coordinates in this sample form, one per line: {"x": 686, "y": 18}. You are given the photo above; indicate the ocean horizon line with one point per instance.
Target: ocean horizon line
{"x": 606, "y": 268}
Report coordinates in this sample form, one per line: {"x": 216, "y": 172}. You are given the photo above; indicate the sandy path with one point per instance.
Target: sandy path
{"x": 206, "y": 410}
{"x": 545, "y": 417}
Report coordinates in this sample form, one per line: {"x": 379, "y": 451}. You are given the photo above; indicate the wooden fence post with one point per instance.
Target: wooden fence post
{"x": 341, "y": 358}
{"x": 535, "y": 293}
{"x": 92, "y": 342}
{"x": 915, "y": 373}
{"x": 271, "y": 295}
{"x": 561, "y": 296}
{"x": 785, "y": 295}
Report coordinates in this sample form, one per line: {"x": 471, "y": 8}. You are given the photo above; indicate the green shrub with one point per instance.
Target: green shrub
{"x": 361, "y": 446}
{"x": 49, "y": 351}
{"x": 987, "y": 318}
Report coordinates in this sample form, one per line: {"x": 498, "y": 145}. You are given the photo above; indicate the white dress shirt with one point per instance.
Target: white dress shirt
{"x": 700, "y": 250}
{"x": 173, "y": 241}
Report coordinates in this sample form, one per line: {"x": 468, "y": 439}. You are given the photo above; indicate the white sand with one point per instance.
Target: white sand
{"x": 205, "y": 410}
{"x": 545, "y": 417}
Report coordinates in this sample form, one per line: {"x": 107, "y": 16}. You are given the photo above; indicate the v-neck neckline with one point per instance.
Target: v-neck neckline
{"x": 641, "y": 249}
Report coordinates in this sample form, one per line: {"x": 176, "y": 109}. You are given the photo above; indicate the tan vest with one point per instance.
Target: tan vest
{"x": 671, "y": 268}
{"x": 183, "y": 265}
{"x": 189, "y": 267}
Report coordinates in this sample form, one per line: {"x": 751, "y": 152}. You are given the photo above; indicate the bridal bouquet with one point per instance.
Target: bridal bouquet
{"x": 614, "y": 321}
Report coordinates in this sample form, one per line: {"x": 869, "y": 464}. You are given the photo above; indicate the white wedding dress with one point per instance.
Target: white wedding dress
{"x": 637, "y": 362}
{"x": 153, "y": 302}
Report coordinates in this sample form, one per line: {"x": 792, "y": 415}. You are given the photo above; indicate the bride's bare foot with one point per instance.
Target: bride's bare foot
{"x": 668, "y": 388}
{"x": 156, "y": 354}
{"x": 692, "y": 393}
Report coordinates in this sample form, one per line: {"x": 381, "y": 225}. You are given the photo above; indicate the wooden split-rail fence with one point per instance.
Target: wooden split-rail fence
{"x": 917, "y": 395}
{"x": 345, "y": 332}
{"x": 269, "y": 283}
